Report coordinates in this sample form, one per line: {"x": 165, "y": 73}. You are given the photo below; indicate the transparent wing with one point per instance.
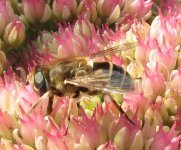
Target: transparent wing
{"x": 114, "y": 50}
{"x": 106, "y": 80}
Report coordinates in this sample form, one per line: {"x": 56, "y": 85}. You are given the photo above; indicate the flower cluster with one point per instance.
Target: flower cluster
{"x": 69, "y": 127}
{"x": 143, "y": 37}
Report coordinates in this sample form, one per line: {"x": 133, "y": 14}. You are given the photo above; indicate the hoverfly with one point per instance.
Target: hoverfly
{"x": 75, "y": 75}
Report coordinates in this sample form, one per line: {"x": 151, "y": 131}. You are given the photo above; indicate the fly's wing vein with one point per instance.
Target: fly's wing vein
{"x": 115, "y": 83}
{"x": 115, "y": 49}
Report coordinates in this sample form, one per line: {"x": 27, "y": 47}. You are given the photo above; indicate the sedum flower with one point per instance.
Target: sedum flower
{"x": 12, "y": 96}
{"x": 83, "y": 26}
{"x": 175, "y": 84}
{"x": 36, "y": 11}
{"x": 135, "y": 70}
{"x": 166, "y": 5}
{"x": 83, "y": 38}
{"x": 64, "y": 108}
{"x": 165, "y": 58}
{"x": 7, "y": 144}
{"x": 78, "y": 43}
{"x": 136, "y": 103}
{"x": 123, "y": 12}
{"x": 14, "y": 33}
{"x": 140, "y": 7}
{"x": 109, "y": 10}
{"x": 142, "y": 52}
{"x": 166, "y": 29}
{"x": 175, "y": 79}
{"x": 118, "y": 40}
{"x": 16, "y": 95}
{"x": 63, "y": 9}
{"x": 87, "y": 8}
{"x": 126, "y": 135}
{"x": 141, "y": 29}
{"x": 153, "y": 83}
{"x": 165, "y": 139}
{"x": 107, "y": 146}
{"x": 157, "y": 113}
{"x": 110, "y": 36}
{"x": 105, "y": 115}
{"x": 171, "y": 105}
{"x": 6, "y": 15}
{"x": 94, "y": 122}
{"x": 3, "y": 60}
{"x": 70, "y": 44}
{"x": 89, "y": 103}
{"x": 46, "y": 43}
{"x": 178, "y": 122}
{"x": 88, "y": 132}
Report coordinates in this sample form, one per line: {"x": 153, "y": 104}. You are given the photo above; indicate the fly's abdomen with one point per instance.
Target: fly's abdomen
{"x": 120, "y": 78}
{"x": 112, "y": 76}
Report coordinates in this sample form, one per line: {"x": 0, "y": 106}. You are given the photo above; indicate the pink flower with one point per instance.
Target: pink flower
{"x": 136, "y": 103}
{"x": 165, "y": 139}
{"x": 6, "y": 124}
{"x": 15, "y": 33}
{"x": 7, "y": 144}
{"x": 165, "y": 58}
{"x": 3, "y": 60}
{"x": 171, "y": 107}
{"x": 88, "y": 132}
{"x": 157, "y": 112}
{"x": 166, "y": 29}
{"x": 126, "y": 135}
{"x": 16, "y": 95}
{"x": 110, "y": 36}
{"x": 105, "y": 115}
{"x": 88, "y": 8}
{"x": 153, "y": 83}
{"x": 123, "y": 12}
{"x": 83, "y": 37}
{"x": 107, "y": 146}
{"x": 6, "y": 15}
{"x": 83, "y": 26}
{"x": 176, "y": 79}
{"x": 142, "y": 51}
{"x": 63, "y": 108}
{"x": 70, "y": 44}
{"x": 135, "y": 70}
{"x": 109, "y": 9}
{"x": 139, "y": 9}
{"x": 91, "y": 122}
{"x": 12, "y": 97}
{"x": 167, "y": 5}
{"x": 178, "y": 122}
{"x": 36, "y": 10}
{"x": 175, "y": 84}
{"x": 63, "y": 9}
{"x": 117, "y": 38}
{"x": 141, "y": 29}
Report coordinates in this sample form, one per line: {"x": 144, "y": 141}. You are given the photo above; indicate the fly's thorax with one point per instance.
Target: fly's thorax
{"x": 57, "y": 77}
{"x": 63, "y": 71}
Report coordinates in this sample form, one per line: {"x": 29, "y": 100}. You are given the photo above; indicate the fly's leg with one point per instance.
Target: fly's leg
{"x": 50, "y": 96}
{"x": 50, "y": 105}
{"x": 120, "y": 109}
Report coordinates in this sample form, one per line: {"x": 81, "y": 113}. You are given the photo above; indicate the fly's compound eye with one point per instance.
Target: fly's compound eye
{"x": 41, "y": 82}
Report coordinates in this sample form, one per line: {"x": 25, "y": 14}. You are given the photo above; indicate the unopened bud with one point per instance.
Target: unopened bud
{"x": 15, "y": 33}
